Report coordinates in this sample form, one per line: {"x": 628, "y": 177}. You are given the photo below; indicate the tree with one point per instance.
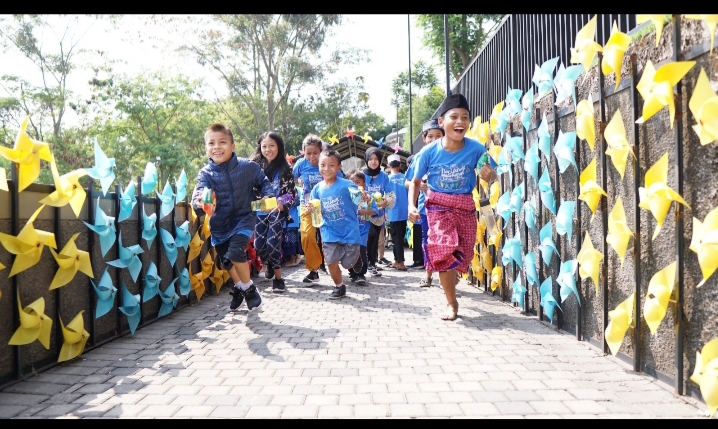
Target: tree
{"x": 467, "y": 35}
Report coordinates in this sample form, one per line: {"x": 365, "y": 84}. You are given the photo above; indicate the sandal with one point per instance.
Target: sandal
{"x": 425, "y": 282}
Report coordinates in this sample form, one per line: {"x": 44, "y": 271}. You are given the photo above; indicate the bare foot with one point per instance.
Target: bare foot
{"x": 452, "y": 311}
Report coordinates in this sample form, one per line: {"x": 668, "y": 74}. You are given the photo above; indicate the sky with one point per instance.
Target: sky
{"x": 137, "y": 46}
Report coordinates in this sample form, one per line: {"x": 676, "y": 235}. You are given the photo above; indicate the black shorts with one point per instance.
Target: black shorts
{"x": 234, "y": 249}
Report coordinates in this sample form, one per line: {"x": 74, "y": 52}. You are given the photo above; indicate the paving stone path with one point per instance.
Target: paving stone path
{"x": 380, "y": 352}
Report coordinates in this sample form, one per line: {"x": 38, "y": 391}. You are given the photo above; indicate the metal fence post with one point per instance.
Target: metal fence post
{"x": 557, "y": 199}
{"x": 13, "y": 186}
{"x": 91, "y": 248}
{"x": 636, "y": 218}
{"x": 604, "y": 205}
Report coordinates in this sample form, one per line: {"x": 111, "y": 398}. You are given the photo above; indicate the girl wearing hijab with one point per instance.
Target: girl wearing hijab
{"x": 376, "y": 181}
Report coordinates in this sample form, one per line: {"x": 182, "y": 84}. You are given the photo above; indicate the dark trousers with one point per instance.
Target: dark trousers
{"x": 372, "y": 244}
{"x": 364, "y": 260}
{"x": 398, "y": 231}
{"x": 416, "y": 243}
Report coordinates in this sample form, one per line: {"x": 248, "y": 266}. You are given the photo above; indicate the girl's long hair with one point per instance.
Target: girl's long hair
{"x": 279, "y": 163}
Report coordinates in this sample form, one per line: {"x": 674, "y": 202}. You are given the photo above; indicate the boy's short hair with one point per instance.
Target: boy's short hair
{"x": 312, "y": 140}
{"x": 217, "y": 127}
{"x": 332, "y": 152}
{"x": 356, "y": 172}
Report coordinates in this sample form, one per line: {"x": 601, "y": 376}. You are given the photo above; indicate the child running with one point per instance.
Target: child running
{"x": 377, "y": 182}
{"x": 398, "y": 214}
{"x": 367, "y": 209}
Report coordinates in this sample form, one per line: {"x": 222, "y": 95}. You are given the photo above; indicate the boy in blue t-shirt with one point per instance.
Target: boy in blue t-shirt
{"x": 365, "y": 212}
{"x": 398, "y": 214}
{"x": 341, "y": 239}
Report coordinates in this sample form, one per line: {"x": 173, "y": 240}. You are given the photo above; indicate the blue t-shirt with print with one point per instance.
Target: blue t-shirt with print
{"x": 365, "y": 224}
{"x": 310, "y": 176}
{"x": 294, "y": 214}
{"x": 422, "y": 196}
{"x": 400, "y": 210}
{"x": 341, "y": 224}
{"x": 379, "y": 183}
{"x": 450, "y": 172}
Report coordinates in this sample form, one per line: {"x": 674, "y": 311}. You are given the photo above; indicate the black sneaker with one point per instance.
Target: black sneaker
{"x": 361, "y": 280}
{"x": 312, "y": 277}
{"x": 278, "y": 286}
{"x": 324, "y": 269}
{"x": 237, "y": 298}
{"x": 416, "y": 265}
{"x": 374, "y": 272}
{"x": 358, "y": 265}
{"x": 352, "y": 278}
{"x": 254, "y": 299}
{"x": 384, "y": 261}
{"x": 338, "y": 292}
{"x": 269, "y": 274}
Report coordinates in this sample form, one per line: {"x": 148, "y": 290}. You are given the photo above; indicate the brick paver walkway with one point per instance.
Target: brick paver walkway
{"x": 380, "y": 352}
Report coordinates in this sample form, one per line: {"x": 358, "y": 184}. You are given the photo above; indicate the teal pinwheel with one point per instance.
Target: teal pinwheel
{"x": 530, "y": 214}
{"x": 565, "y": 83}
{"x": 517, "y": 197}
{"x": 513, "y": 144}
{"x": 181, "y": 186}
{"x": 103, "y": 169}
{"x": 130, "y": 308}
{"x": 149, "y": 181}
{"x": 519, "y": 292}
{"x": 547, "y": 198}
{"x": 182, "y": 235}
{"x": 149, "y": 229}
{"x": 512, "y": 251}
{"x": 531, "y": 269}
{"x": 169, "y": 299}
{"x": 168, "y": 242}
{"x": 168, "y": 200}
{"x": 129, "y": 259}
{"x": 564, "y": 218}
{"x": 547, "y": 246}
{"x": 380, "y": 143}
{"x": 564, "y": 148}
{"x": 548, "y": 302}
{"x": 527, "y": 107}
{"x": 185, "y": 282}
{"x": 503, "y": 208}
{"x": 513, "y": 101}
{"x": 504, "y": 166}
{"x": 543, "y": 76}
{"x": 152, "y": 283}
{"x": 106, "y": 292}
{"x": 104, "y": 227}
{"x": 532, "y": 160}
{"x": 127, "y": 202}
{"x": 566, "y": 278}
{"x": 544, "y": 138}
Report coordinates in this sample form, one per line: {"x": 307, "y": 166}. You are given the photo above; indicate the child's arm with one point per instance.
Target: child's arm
{"x": 261, "y": 182}
{"x": 288, "y": 192}
{"x": 201, "y": 183}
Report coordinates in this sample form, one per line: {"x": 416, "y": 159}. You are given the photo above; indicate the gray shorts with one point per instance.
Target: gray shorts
{"x": 346, "y": 254}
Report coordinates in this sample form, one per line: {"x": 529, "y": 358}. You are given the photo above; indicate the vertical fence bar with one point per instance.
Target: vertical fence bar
{"x": 14, "y": 187}
{"x": 524, "y": 134}
{"x": 187, "y": 217}
{"x": 56, "y": 218}
{"x": 636, "y": 218}
{"x": 91, "y": 248}
{"x": 557, "y": 199}
{"x": 604, "y": 205}
{"x": 579, "y": 237}
{"x": 118, "y": 271}
{"x": 158, "y": 238}
{"x": 513, "y": 215}
{"x": 175, "y": 272}
{"x": 539, "y": 256}
{"x": 141, "y": 227}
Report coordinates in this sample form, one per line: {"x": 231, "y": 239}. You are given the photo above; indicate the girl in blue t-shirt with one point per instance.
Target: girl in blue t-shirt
{"x": 376, "y": 182}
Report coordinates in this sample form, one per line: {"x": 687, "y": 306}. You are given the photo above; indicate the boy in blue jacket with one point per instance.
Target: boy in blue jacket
{"x": 234, "y": 181}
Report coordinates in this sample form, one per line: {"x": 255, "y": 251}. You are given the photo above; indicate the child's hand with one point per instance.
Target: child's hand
{"x": 414, "y": 215}
{"x": 424, "y": 187}
{"x": 487, "y": 173}
{"x": 309, "y": 208}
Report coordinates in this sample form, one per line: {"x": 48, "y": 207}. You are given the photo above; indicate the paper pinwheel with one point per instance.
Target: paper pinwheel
{"x": 527, "y": 107}
{"x": 513, "y": 144}
{"x": 589, "y": 260}
{"x": 565, "y": 83}
{"x": 590, "y": 191}
{"x": 517, "y": 197}
{"x": 3, "y": 180}
{"x": 104, "y": 227}
{"x": 476, "y": 268}
{"x": 617, "y": 144}
{"x": 182, "y": 237}
{"x": 531, "y": 269}
{"x": 658, "y": 295}
{"x": 34, "y": 324}
{"x": 27, "y": 153}
{"x": 656, "y": 87}
{"x": 181, "y": 185}
{"x": 493, "y": 119}
{"x": 396, "y": 147}
{"x": 564, "y": 218}
{"x": 129, "y": 259}
{"x": 513, "y": 101}
{"x": 547, "y": 246}
{"x": 68, "y": 190}
{"x": 483, "y": 133}
{"x": 27, "y": 246}
{"x": 495, "y": 240}
{"x": 512, "y": 251}
{"x": 564, "y": 148}
{"x": 366, "y": 137}
{"x": 217, "y": 278}
{"x": 195, "y": 246}
{"x": 503, "y": 208}
{"x": 585, "y": 48}
{"x": 543, "y": 76}
{"x": 703, "y": 105}
{"x": 350, "y": 133}
{"x": 127, "y": 202}
{"x": 131, "y": 308}
{"x": 657, "y": 196}
{"x": 621, "y": 319}
{"x": 168, "y": 200}
{"x": 185, "y": 285}
{"x": 494, "y": 194}
{"x": 504, "y": 165}
{"x": 168, "y": 242}
{"x": 205, "y": 227}
{"x": 532, "y": 160}
{"x": 519, "y": 292}
{"x": 152, "y": 283}
{"x": 657, "y": 19}
{"x": 380, "y": 143}
{"x": 207, "y": 264}
{"x": 149, "y": 228}
{"x": 710, "y": 20}
{"x": 613, "y": 53}
{"x": 566, "y": 278}
{"x": 486, "y": 260}
{"x": 705, "y": 374}
{"x": 585, "y": 122}
{"x": 75, "y": 337}
{"x": 530, "y": 214}
{"x": 197, "y": 282}
{"x": 502, "y": 121}
{"x": 70, "y": 260}
{"x": 705, "y": 243}
{"x": 149, "y": 181}
{"x": 103, "y": 169}
{"x": 105, "y": 291}
{"x": 544, "y": 138}
{"x": 547, "y": 198}
{"x": 333, "y": 140}
{"x": 473, "y": 132}
{"x": 548, "y": 302}
{"x": 169, "y": 299}
{"x": 618, "y": 232}
{"x": 496, "y": 277}
{"x": 494, "y": 151}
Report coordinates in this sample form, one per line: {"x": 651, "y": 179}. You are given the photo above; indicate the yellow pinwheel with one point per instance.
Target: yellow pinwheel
{"x": 657, "y": 196}
{"x": 705, "y": 243}
{"x": 217, "y": 279}
{"x": 476, "y": 268}
{"x": 658, "y": 295}
{"x": 197, "y": 283}
{"x": 75, "y": 338}
{"x": 27, "y": 152}
{"x": 710, "y": 20}
{"x": 28, "y": 245}
{"x": 617, "y": 144}
{"x": 585, "y": 48}
{"x": 333, "y": 139}
{"x": 494, "y": 118}
{"x": 366, "y": 137}
{"x": 496, "y": 277}
{"x": 621, "y": 319}
{"x": 68, "y": 190}
{"x": 585, "y": 122}
{"x": 705, "y": 374}
{"x": 70, "y": 260}
{"x": 656, "y": 87}
{"x": 483, "y": 133}
{"x": 192, "y": 213}
{"x": 3, "y": 180}
{"x": 205, "y": 227}
{"x": 590, "y": 191}
{"x": 473, "y": 132}
{"x": 494, "y": 152}
{"x": 494, "y": 194}
{"x": 658, "y": 21}
{"x": 207, "y": 264}
{"x": 703, "y": 105}
{"x": 486, "y": 261}
{"x": 618, "y": 232}
{"x": 34, "y": 324}
{"x": 495, "y": 240}
{"x": 613, "y": 53}
{"x": 589, "y": 261}
{"x": 195, "y": 246}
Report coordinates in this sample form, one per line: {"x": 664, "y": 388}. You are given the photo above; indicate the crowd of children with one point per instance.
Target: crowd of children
{"x": 313, "y": 211}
